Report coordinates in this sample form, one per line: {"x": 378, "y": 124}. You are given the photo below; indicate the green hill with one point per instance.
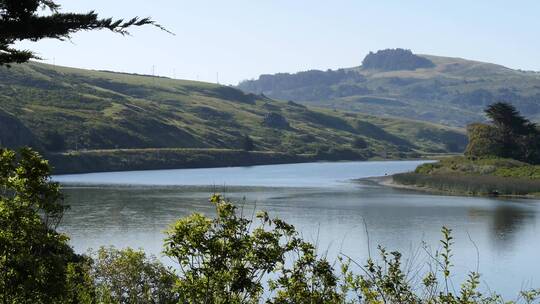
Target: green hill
{"x": 450, "y": 91}
{"x": 81, "y": 117}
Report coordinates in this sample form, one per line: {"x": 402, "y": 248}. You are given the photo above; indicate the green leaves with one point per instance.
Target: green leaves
{"x": 36, "y": 262}
{"x": 222, "y": 260}
{"x": 129, "y": 276}
{"x": 510, "y": 136}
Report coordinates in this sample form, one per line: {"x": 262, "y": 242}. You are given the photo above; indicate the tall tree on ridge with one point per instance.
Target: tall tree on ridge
{"x": 24, "y": 20}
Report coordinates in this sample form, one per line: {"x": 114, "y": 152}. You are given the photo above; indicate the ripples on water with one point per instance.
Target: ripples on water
{"x": 324, "y": 204}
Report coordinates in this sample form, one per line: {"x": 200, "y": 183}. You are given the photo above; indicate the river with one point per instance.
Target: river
{"x": 499, "y": 236}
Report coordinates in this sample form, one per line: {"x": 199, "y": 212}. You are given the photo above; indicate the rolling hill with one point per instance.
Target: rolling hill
{"x": 97, "y": 121}
{"x": 395, "y": 82}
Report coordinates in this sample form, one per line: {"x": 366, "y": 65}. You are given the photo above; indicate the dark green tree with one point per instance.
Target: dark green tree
{"x": 247, "y": 143}
{"x": 509, "y": 124}
{"x": 360, "y": 143}
{"x": 27, "y": 20}
{"x": 507, "y": 118}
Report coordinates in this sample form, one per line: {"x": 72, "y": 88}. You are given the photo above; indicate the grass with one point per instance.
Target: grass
{"x": 489, "y": 176}
{"x": 146, "y": 159}
{"x": 59, "y": 109}
{"x": 454, "y": 92}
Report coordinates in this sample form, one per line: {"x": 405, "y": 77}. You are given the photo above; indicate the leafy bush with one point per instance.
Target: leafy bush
{"x": 36, "y": 263}
{"x": 225, "y": 259}
{"x": 129, "y": 276}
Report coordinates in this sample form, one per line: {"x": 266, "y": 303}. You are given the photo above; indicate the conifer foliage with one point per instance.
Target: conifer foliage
{"x": 33, "y": 20}
{"x": 509, "y": 135}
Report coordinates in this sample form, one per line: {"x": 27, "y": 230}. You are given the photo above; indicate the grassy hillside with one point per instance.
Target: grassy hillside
{"x": 452, "y": 91}
{"x": 59, "y": 109}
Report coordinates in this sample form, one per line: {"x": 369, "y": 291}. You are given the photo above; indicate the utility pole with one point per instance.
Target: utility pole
{"x": 217, "y": 77}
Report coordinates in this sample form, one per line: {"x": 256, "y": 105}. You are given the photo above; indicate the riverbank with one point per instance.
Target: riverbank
{"x": 91, "y": 161}
{"x": 481, "y": 177}
{"x": 160, "y": 159}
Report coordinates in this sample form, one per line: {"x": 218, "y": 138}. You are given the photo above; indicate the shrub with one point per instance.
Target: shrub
{"x": 226, "y": 259}
{"x": 360, "y": 143}
{"x": 247, "y": 143}
{"x": 129, "y": 276}
{"x": 482, "y": 141}
{"x": 36, "y": 263}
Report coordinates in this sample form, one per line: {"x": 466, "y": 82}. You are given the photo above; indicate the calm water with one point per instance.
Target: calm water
{"x": 322, "y": 201}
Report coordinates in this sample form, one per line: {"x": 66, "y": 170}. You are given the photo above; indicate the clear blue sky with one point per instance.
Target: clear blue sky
{"x": 242, "y": 39}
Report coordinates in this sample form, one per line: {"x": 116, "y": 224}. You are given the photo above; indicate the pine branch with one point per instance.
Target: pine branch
{"x": 19, "y": 21}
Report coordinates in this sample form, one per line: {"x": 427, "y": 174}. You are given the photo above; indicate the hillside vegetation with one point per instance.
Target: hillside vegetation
{"x": 230, "y": 257}
{"x": 461, "y": 175}
{"x": 502, "y": 158}
{"x": 70, "y": 113}
{"x": 451, "y": 91}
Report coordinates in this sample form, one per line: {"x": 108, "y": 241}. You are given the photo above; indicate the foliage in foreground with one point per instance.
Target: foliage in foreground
{"x": 229, "y": 258}
{"x": 25, "y": 20}
{"x": 36, "y": 263}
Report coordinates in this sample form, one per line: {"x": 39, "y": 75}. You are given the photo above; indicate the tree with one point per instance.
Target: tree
{"x": 25, "y": 20}
{"x": 247, "y": 143}
{"x": 36, "y": 263}
{"x": 482, "y": 141}
{"x": 360, "y": 143}
{"x": 509, "y": 124}
{"x": 510, "y": 135}
{"x": 506, "y": 117}
{"x": 54, "y": 141}
{"x": 129, "y": 276}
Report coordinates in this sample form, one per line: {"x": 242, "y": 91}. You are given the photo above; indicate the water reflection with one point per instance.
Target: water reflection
{"x": 506, "y": 232}
{"x": 505, "y": 220}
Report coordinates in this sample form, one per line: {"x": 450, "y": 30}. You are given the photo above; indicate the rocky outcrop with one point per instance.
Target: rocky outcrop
{"x": 394, "y": 60}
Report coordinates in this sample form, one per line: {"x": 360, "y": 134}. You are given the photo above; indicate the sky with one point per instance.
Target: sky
{"x": 235, "y": 40}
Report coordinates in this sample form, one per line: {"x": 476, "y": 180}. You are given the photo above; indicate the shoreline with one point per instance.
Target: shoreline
{"x": 101, "y": 161}
{"x": 388, "y": 181}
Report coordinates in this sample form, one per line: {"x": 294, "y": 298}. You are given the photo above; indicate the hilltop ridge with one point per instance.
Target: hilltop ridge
{"x": 67, "y": 111}
{"x": 445, "y": 90}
